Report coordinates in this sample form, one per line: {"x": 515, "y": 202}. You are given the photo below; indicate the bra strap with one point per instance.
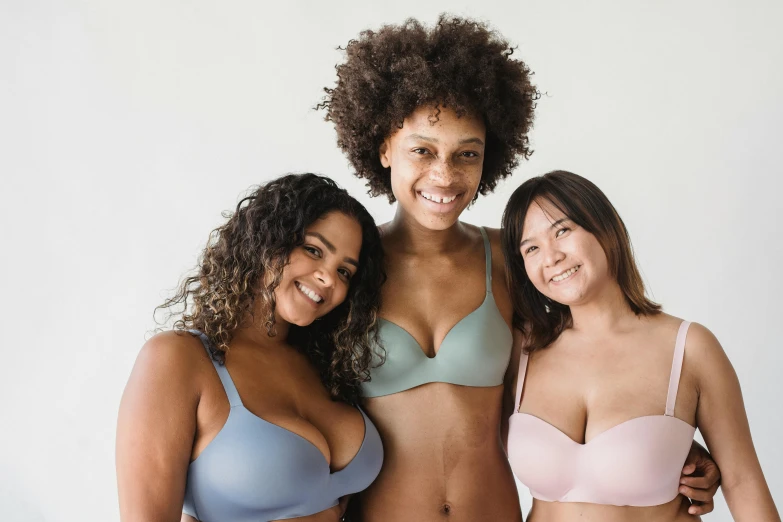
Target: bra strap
{"x": 222, "y": 371}
{"x": 488, "y": 256}
{"x": 523, "y": 357}
{"x": 674, "y": 378}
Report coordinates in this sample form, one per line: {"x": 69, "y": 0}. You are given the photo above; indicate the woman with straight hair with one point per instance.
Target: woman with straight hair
{"x": 606, "y": 381}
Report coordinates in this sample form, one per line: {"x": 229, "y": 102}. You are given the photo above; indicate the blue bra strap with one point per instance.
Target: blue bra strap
{"x": 488, "y": 256}
{"x": 222, "y": 371}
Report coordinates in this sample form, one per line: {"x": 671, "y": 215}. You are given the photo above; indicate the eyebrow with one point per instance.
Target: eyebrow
{"x": 331, "y": 248}
{"x": 554, "y": 225}
{"x": 429, "y": 139}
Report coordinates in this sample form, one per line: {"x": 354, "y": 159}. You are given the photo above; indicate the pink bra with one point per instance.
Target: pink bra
{"x": 636, "y": 463}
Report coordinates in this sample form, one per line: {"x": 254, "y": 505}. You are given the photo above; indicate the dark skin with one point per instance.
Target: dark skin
{"x": 439, "y": 437}
{"x": 174, "y": 404}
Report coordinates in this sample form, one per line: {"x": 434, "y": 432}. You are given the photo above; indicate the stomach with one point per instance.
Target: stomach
{"x": 443, "y": 458}
{"x": 674, "y": 511}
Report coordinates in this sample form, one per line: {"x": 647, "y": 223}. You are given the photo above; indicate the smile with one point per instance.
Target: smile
{"x": 443, "y": 200}
{"x": 308, "y": 292}
{"x": 565, "y": 275}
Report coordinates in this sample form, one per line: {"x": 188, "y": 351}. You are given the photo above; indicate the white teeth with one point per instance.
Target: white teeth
{"x": 437, "y": 199}
{"x": 309, "y": 293}
{"x": 565, "y": 275}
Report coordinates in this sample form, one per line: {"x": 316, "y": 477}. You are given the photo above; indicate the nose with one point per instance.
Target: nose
{"x": 552, "y": 255}
{"x": 324, "y": 275}
{"x": 444, "y": 170}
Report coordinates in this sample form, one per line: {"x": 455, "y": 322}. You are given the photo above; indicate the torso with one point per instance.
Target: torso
{"x": 584, "y": 387}
{"x": 280, "y": 386}
{"x": 439, "y": 438}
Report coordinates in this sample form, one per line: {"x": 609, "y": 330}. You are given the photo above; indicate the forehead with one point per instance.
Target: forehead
{"x": 341, "y": 230}
{"x": 540, "y": 216}
{"x": 442, "y": 122}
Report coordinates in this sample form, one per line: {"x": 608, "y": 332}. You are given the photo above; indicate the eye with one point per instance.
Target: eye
{"x": 345, "y": 273}
{"x": 530, "y": 249}
{"x": 470, "y": 154}
{"x": 312, "y": 250}
{"x": 420, "y": 150}
{"x": 562, "y": 231}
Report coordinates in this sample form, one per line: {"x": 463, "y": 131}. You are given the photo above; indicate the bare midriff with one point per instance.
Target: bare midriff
{"x": 443, "y": 458}
{"x": 674, "y": 511}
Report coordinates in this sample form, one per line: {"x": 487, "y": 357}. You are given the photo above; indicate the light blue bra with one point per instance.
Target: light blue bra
{"x": 475, "y": 352}
{"x": 256, "y": 471}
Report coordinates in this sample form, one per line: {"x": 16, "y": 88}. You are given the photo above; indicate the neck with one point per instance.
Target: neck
{"x": 255, "y": 332}
{"x": 605, "y": 312}
{"x": 412, "y": 237}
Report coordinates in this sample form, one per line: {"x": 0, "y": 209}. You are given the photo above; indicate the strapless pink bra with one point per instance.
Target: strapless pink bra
{"x": 636, "y": 463}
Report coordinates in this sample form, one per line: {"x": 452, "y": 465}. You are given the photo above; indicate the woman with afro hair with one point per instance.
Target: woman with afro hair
{"x": 431, "y": 118}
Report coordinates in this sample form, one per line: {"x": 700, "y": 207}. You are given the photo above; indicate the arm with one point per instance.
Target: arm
{"x": 721, "y": 418}
{"x": 155, "y": 430}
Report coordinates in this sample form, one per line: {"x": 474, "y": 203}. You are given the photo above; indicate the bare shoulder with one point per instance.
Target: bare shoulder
{"x": 704, "y": 356}
{"x": 498, "y": 263}
{"x": 177, "y": 357}
{"x": 499, "y": 286}
{"x": 702, "y": 343}
{"x": 494, "y": 237}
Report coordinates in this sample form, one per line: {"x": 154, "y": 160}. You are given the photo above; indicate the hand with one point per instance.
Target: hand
{"x": 700, "y": 480}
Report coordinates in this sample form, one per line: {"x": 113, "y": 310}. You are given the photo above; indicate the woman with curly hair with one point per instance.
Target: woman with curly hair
{"x": 246, "y": 410}
{"x": 431, "y": 118}
{"x": 607, "y": 381}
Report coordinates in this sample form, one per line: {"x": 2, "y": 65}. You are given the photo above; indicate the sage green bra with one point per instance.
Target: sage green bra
{"x": 475, "y": 352}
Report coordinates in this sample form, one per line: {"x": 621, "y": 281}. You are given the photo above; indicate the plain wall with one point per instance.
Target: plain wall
{"x": 127, "y": 127}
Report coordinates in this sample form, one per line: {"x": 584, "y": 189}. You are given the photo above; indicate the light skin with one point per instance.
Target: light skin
{"x": 174, "y": 403}
{"x": 439, "y": 437}
{"x": 613, "y": 366}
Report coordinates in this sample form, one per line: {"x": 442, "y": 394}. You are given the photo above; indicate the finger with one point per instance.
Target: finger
{"x": 689, "y": 468}
{"x": 701, "y": 508}
{"x": 696, "y": 482}
{"x": 700, "y": 495}
{"x": 712, "y": 474}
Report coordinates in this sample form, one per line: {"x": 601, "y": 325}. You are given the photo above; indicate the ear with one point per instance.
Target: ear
{"x": 384, "y": 153}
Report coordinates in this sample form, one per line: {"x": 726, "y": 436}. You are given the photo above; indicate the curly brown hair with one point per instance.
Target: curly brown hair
{"x": 459, "y": 63}
{"x": 254, "y": 246}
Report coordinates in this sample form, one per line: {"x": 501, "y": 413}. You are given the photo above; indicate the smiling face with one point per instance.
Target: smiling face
{"x": 317, "y": 276}
{"x": 435, "y": 168}
{"x": 564, "y": 262}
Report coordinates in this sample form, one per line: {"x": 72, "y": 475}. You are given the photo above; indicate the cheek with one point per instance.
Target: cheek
{"x": 532, "y": 269}
{"x": 403, "y": 174}
{"x": 339, "y": 295}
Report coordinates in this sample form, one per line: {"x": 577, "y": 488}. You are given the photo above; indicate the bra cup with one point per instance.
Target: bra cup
{"x": 232, "y": 464}
{"x": 256, "y": 470}
{"x": 366, "y": 463}
{"x": 475, "y": 352}
{"x": 654, "y": 447}
{"x": 541, "y": 466}
{"x": 556, "y": 468}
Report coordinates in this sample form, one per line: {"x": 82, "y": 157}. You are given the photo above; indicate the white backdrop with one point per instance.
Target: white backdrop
{"x": 127, "y": 127}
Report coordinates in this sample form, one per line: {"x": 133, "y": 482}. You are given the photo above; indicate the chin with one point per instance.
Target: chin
{"x": 438, "y": 222}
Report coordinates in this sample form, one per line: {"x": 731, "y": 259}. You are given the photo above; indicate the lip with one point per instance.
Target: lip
{"x": 441, "y": 208}
{"x": 551, "y": 282}
{"x": 307, "y": 299}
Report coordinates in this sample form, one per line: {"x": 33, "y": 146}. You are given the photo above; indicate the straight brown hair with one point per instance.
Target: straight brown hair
{"x": 540, "y": 318}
